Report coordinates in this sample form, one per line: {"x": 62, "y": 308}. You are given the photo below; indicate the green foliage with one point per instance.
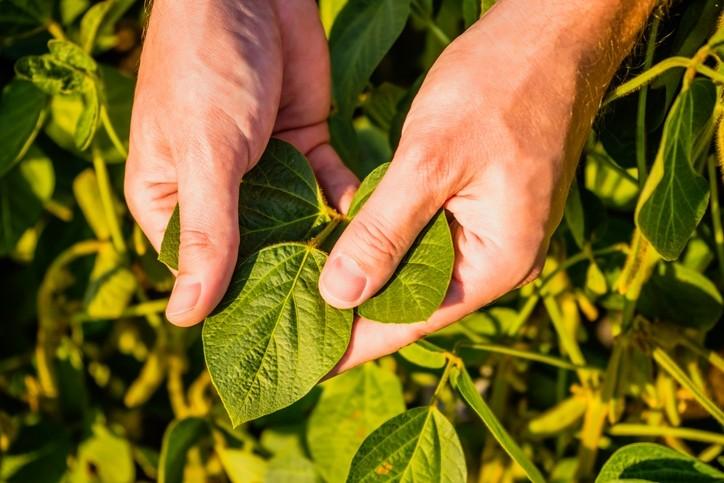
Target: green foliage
{"x": 272, "y": 337}
{"x": 615, "y": 343}
{"x": 655, "y": 463}
{"x": 362, "y": 33}
{"x": 417, "y": 445}
{"x": 352, "y": 406}
{"x": 674, "y": 198}
{"x": 420, "y": 282}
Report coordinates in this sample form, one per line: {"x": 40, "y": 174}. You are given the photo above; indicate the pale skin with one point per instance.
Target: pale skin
{"x": 493, "y": 137}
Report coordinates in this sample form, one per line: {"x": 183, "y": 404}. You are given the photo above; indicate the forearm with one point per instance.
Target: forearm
{"x": 570, "y": 49}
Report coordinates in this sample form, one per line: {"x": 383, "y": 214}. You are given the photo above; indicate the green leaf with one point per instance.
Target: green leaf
{"x": 243, "y": 466}
{"x": 88, "y": 197}
{"x": 180, "y": 435}
{"x": 675, "y": 197}
{"x": 22, "y": 113}
{"x": 362, "y": 34}
{"x": 104, "y": 457}
{"x": 352, "y": 405}
{"x": 65, "y": 113}
{"x": 111, "y": 286}
{"x": 50, "y": 74}
{"x": 417, "y": 445}
{"x": 91, "y": 22}
{"x": 465, "y": 386}
{"x": 381, "y": 104}
{"x": 20, "y": 16}
{"x": 292, "y": 469}
{"x": 71, "y": 54}
{"x": 273, "y": 338}
{"x": 85, "y": 130}
{"x": 471, "y": 12}
{"x": 279, "y": 200}
{"x": 649, "y": 462}
{"x": 424, "y": 354}
{"x": 70, "y": 10}
{"x": 328, "y": 11}
{"x": 678, "y": 294}
{"x": 418, "y": 286}
{"x": 22, "y": 194}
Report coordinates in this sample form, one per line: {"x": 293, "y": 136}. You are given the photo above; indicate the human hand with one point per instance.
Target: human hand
{"x": 217, "y": 79}
{"x": 493, "y": 136}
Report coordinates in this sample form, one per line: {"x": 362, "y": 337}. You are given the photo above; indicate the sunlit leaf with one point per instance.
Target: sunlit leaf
{"x": 91, "y": 22}
{"x": 418, "y": 286}
{"x": 362, "y": 34}
{"x": 279, "y": 200}
{"x": 675, "y": 197}
{"x": 104, "y": 457}
{"x": 649, "y": 462}
{"x": 243, "y": 466}
{"x": 417, "y": 445}
{"x": 352, "y": 405}
{"x": 273, "y": 338}
{"x": 22, "y": 194}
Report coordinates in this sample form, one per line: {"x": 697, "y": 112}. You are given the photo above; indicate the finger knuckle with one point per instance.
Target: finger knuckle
{"x": 376, "y": 241}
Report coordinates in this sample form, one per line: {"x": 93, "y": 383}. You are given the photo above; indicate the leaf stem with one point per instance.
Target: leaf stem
{"x": 140, "y": 310}
{"x": 641, "y": 112}
{"x": 443, "y": 379}
{"x": 578, "y": 258}
{"x": 524, "y": 354}
{"x": 641, "y": 80}
{"x": 716, "y": 214}
{"x": 625, "y": 429}
{"x": 326, "y": 231}
{"x": 112, "y": 133}
{"x": 55, "y": 30}
{"x": 667, "y": 363}
{"x": 710, "y": 356}
{"x": 104, "y": 186}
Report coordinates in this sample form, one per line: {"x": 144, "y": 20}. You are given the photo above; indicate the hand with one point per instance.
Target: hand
{"x": 493, "y": 137}
{"x": 217, "y": 79}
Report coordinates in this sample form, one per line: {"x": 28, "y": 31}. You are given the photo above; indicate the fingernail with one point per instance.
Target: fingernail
{"x": 184, "y": 297}
{"x": 344, "y": 280}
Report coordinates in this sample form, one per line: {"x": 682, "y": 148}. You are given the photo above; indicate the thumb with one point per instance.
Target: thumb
{"x": 369, "y": 250}
{"x": 208, "y": 196}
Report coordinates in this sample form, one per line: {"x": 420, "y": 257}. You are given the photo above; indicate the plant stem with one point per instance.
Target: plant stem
{"x": 524, "y": 354}
{"x": 578, "y": 258}
{"x": 667, "y": 363}
{"x": 326, "y": 231}
{"x": 143, "y": 309}
{"x": 691, "y": 434}
{"x": 51, "y": 321}
{"x": 641, "y": 80}
{"x": 524, "y": 314}
{"x": 568, "y": 341}
{"x": 710, "y": 356}
{"x": 112, "y": 133}
{"x": 443, "y": 380}
{"x": 716, "y": 215}
{"x": 104, "y": 186}
{"x": 55, "y": 30}
{"x": 594, "y": 419}
{"x": 641, "y": 112}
